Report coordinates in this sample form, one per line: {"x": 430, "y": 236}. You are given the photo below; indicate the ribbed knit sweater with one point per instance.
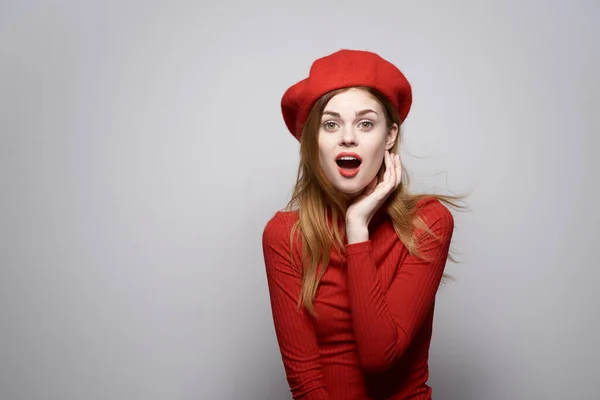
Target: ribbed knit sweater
{"x": 374, "y": 305}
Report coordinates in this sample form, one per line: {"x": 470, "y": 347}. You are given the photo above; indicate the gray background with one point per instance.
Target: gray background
{"x": 142, "y": 151}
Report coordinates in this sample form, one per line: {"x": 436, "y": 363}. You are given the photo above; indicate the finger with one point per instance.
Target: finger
{"x": 398, "y": 170}
{"x": 392, "y": 177}
{"x": 389, "y": 177}
{"x": 393, "y": 170}
{"x": 386, "y": 161}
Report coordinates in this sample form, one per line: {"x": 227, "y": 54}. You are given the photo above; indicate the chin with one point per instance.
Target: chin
{"x": 350, "y": 188}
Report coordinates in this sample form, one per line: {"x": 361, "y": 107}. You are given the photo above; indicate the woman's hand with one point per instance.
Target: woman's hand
{"x": 363, "y": 208}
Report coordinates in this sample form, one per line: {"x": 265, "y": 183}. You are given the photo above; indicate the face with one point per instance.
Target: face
{"x": 352, "y": 140}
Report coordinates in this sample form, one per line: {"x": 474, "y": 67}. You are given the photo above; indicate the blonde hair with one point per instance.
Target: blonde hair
{"x": 315, "y": 199}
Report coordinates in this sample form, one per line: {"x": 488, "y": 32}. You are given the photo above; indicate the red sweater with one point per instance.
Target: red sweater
{"x": 371, "y": 336}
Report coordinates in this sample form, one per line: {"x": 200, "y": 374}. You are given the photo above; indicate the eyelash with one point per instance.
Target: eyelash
{"x": 361, "y": 122}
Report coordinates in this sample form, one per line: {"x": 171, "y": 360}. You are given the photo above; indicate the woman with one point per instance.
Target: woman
{"x": 354, "y": 262}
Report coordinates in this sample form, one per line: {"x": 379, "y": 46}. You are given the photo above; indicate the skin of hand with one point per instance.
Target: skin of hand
{"x": 362, "y": 209}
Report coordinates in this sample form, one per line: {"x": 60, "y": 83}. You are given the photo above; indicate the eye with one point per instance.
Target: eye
{"x": 329, "y": 125}
{"x": 366, "y": 125}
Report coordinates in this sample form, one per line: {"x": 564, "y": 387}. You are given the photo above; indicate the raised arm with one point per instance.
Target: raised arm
{"x": 385, "y": 321}
{"x": 293, "y": 326}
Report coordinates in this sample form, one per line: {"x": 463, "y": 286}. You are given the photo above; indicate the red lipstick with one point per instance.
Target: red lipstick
{"x": 348, "y": 164}
{"x": 348, "y": 173}
{"x": 348, "y": 154}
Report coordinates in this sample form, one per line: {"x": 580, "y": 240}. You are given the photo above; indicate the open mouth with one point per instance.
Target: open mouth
{"x": 348, "y": 161}
{"x": 348, "y": 164}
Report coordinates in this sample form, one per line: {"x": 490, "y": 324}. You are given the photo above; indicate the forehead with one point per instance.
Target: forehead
{"x": 353, "y": 100}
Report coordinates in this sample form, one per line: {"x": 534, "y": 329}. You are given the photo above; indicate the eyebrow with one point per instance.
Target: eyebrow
{"x": 358, "y": 113}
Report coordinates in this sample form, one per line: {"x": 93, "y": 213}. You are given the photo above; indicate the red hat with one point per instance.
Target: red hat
{"x": 343, "y": 69}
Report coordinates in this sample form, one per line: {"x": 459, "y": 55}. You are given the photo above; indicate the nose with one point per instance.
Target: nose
{"x": 348, "y": 137}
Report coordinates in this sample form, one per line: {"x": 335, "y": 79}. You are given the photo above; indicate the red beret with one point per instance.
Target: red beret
{"x": 343, "y": 69}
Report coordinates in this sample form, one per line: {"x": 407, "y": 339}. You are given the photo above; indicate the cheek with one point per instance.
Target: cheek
{"x": 376, "y": 156}
{"x": 324, "y": 151}
{"x": 322, "y": 156}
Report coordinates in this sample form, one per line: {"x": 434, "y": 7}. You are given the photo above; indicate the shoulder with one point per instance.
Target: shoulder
{"x": 278, "y": 228}
{"x": 435, "y": 215}
{"x": 276, "y": 243}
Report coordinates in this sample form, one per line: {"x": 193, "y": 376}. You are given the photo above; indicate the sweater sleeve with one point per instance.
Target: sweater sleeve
{"x": 385, "y": 321}
{"x": 293, "y": 326}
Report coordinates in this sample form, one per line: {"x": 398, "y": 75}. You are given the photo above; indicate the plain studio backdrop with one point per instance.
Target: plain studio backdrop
{"x": 143, "y": 150}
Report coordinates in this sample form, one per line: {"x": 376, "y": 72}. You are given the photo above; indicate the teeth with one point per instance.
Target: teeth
{"x": 347, "y": 158}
